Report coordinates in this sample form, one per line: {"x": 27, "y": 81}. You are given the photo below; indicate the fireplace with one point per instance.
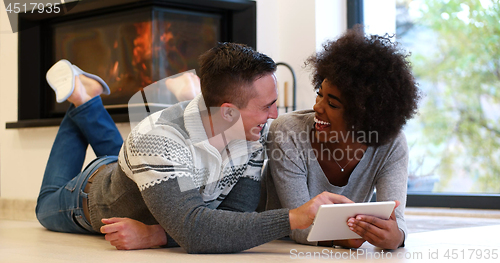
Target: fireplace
{"x": 132, "y": 49}
{"x": 129, "y": 43}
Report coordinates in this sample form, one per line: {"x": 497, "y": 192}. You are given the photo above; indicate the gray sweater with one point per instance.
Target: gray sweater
{"x": 168, "y": 173}
{"x": 295, "y": 175}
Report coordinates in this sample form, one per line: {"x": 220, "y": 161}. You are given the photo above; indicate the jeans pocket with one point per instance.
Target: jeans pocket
{"x": 71, "y": 185}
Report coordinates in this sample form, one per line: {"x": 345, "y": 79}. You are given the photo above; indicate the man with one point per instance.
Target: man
{"x": 193, "y": 168}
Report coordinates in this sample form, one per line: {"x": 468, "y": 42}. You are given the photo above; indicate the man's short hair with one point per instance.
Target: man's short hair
{"x": 227, "y": 72}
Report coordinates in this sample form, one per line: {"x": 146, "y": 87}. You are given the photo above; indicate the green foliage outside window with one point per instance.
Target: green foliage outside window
{"x": 456, "y": 59}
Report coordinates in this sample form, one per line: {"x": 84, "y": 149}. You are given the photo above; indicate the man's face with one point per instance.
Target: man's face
{"x": 260, "y": 108}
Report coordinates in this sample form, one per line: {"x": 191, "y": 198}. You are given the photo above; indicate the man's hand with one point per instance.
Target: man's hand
{"x": 379, "y": 232}
{"x": 126, "y": 233}
{"x": 303, "y": 216}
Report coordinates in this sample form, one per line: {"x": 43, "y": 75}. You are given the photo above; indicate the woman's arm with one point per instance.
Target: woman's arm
{"x": 391, "y": 185}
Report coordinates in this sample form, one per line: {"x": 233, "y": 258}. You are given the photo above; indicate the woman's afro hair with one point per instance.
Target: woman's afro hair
{"x": 375, "y": 81}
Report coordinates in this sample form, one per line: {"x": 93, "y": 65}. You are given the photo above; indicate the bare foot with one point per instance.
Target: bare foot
{"x": 85, "y": 89}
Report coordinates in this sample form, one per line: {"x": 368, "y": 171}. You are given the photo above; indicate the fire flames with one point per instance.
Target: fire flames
{"x": 147, "y": 46}
{"x": 142, "y": 50}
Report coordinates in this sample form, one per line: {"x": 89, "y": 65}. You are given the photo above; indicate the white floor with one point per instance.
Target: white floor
{"x": 424, "y": 223}
{"x": 27, "y": 241}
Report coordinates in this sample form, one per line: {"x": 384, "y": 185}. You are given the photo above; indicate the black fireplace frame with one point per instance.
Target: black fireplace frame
{"x": 238, "y": 24}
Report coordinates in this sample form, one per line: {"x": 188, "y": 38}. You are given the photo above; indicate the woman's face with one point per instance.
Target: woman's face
{"x": 329, "y": 108}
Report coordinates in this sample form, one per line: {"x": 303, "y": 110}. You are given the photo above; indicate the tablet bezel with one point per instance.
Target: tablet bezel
{"x": 330, "y": 222}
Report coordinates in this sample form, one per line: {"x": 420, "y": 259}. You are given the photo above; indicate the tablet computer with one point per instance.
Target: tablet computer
{"x": 330, "y": 222}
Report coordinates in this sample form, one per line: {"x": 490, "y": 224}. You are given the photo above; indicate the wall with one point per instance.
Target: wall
{"x": 292, "y": 30}
{"x": 286, "y": 31}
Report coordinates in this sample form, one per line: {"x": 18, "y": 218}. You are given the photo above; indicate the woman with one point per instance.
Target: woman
{"x": 351, "y": 142}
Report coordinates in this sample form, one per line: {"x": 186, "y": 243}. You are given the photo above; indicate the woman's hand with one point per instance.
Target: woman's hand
{"x": 303, "y": 216}
{"x": 379, "y": 232}
{"x": 126, "y": 234}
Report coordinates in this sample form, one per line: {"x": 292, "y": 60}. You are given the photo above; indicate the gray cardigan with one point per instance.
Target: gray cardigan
{"x": 295, "y": 175}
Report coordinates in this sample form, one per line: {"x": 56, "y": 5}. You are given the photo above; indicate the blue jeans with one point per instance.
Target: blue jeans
{"x": 59, "y": 204}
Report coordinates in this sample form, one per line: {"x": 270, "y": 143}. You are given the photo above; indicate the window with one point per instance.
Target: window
{"x": 455, "y": 140}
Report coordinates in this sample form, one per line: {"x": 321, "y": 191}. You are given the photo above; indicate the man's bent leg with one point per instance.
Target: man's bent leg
{"x": 59, "y": 206}
{"x": 65, "y": 163}
{"x": 96, "y": 125}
